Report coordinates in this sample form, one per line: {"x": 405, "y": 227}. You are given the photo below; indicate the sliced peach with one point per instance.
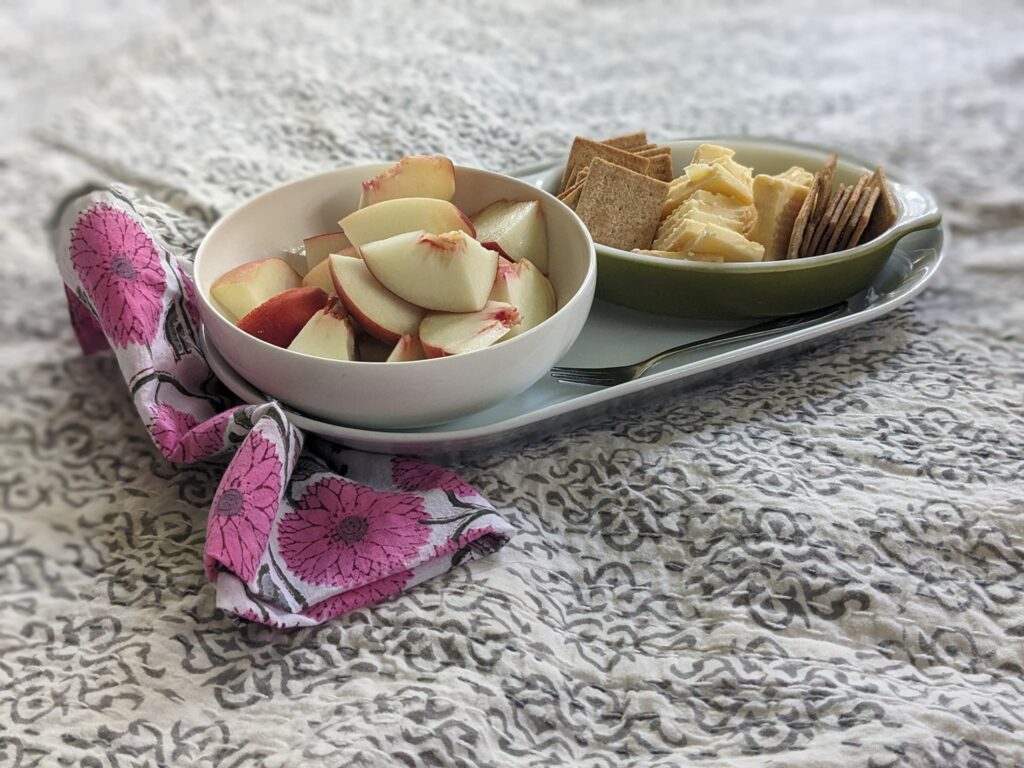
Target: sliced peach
{"x": 450, "y": 272}
{"x": 447, "y": 333}
{"x": 279, "y": 319}
{"x": 328, "y": 333}
{"x": 407, "y": 214}
{"x": 245, "y": 287}
{"x": 414, "y": 176}
{"x": 378, "y": 311}
{"x": 517, "y": 230}
{"x": 523, "y": 286}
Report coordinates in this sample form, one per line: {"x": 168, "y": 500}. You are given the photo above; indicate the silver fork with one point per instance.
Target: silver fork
{"x": 620, "y": 374}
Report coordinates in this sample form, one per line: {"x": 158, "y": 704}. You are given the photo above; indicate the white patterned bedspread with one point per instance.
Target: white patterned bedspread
{"x": 819, "y": 565}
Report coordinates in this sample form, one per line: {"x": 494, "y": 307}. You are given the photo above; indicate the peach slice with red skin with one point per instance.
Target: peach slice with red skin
{"x": 406, "y": 214}
{"x": 446, "y": 333}
{"x": 450, "y": 272}
{"x": 378, "y": 311}
{"x": 242, "y": 289}
{"x": 279, "y": 319}
{"x": 412, "y": 176}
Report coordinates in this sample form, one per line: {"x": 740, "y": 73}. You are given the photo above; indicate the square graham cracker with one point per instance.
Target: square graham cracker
{"x": 629, "y": 142}
{"x": 584, "y": 151}
{"x": 620, "y": 207}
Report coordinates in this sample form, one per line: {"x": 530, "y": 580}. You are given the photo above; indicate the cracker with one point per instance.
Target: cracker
{"x": 885, "y": 212}
{"x": 815, "y": 202}
{"x": 821, "y": 204}
{"x": 862, "y": 216}
{"x": 578, "y": 176}
{"x": 796, "y": 239}
{"x": 823, "y": 227}
{"x": 577, "y": 180}
{"x": 828, "y": 173}
{"x": 654, "y": 150}
{"x": 823, "y": 180}
{"x": 630, "y": 142}
{"x": 660, "y": 167}
{"x": 621, "y": 207}
{"x": 571, "y": 195}
{"x": 574, "y": 179}
{"x": 846, "y": 214}
{"x": 851, "y": 224}
{"x": 584, "y": 151}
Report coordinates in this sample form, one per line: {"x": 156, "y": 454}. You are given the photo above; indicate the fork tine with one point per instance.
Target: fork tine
{"x": 570, "y": 371}
{"x": 582, "y": 376}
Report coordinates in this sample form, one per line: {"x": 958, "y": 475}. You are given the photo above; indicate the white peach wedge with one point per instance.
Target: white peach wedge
{"x": 320, "y": 276}
{"x": 517, "y": 230}
{"x": 378, "y": 311}
{"x": 523, "y": 286}
{"x": 242, "y": 289}
{"x": 449, "y": 272}
{"x": 406, "y": 214}
{"x": 319, "y": 247}
{"x": 446, "y": 333}
{"x": 412, "y": 176}
{"x": 407, "y": 350}
{"x": 328, "y": 334}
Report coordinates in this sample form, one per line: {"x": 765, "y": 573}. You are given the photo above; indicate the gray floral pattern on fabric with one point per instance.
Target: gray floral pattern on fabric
{"x": 820, "y": 565}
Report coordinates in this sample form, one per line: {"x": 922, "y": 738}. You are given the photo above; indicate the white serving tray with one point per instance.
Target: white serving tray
{"x": 614, "y": 336}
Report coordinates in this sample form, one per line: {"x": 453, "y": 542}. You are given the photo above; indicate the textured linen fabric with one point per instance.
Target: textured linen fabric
{"x": 819, "y": 564}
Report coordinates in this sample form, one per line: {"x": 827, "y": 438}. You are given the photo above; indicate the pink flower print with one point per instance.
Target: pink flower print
{"x": 119, "y": 267}
{"x": 348, "y": 535}
{"x": 188, "y": 288}
{"x": 88, "y": 332}
{"x": 179, "y": 436}
{"x": 244, "y": 507}
{"x": 416, "y": 475}
{"x": 360, "y": 597}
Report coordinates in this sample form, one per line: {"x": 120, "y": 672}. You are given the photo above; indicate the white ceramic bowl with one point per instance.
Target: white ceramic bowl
{"x": 390, "y": 395}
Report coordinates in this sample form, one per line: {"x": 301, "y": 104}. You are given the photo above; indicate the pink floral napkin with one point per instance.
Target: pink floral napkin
{"x": 295, "y": 535}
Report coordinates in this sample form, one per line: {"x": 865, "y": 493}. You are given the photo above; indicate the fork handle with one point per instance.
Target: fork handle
{"x": 750, "y": 332}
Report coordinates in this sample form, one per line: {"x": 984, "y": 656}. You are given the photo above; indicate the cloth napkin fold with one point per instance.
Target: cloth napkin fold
{"x": 299, "y": 531}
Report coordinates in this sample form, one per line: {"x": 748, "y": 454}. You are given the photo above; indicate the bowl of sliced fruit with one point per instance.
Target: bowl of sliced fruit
{"x": 735, "y": 227}
{"x": 396, "y": 296}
